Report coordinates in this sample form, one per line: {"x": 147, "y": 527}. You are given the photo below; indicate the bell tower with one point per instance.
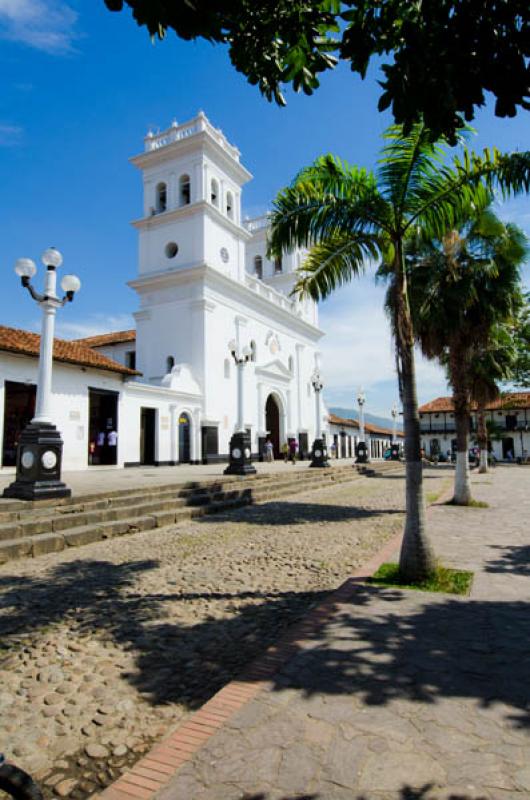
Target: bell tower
{"x": 191, "y": 226}
{"x": 192, "y": 182}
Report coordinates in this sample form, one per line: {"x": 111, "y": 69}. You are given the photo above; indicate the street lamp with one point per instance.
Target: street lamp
{"x": 40, "y": 447}
{"x": 319, "y": 456}
{"x": 362, "y": 449}
{"x": 240, "y": 445}
{"x": 394, "y": 411}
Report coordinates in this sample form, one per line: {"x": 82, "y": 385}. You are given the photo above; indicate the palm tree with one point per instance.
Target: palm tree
{"x": 349, "y": 216}
{"x": 492, "y": 364}
{"x": 461, "y": 288}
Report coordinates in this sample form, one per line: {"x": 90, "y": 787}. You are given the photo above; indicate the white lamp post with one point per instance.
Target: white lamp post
{"x": 394, "y": 411}
{"x": 320, "y": 451}
{"x": 362, "y": 449}
{"x": 39, "y": 451}
{"x": 240, "y": 445}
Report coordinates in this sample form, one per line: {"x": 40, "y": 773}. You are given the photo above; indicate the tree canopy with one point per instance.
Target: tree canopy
{"x": 440, "y": 57}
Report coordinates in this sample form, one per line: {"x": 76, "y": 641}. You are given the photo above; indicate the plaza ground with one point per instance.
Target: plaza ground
{"x": 398, "y": 695}
{"x": 111, "y": 644}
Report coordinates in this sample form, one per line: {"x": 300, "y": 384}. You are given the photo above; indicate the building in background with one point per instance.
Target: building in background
{"x": 507, "y": 419}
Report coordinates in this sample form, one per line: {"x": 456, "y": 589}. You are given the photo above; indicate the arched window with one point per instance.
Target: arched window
{"x": 278, "y": 266}
{"x": 258, "y": 267}
{"x": 253, "y": 351}
{"x": 214, "y": 192}
{"x": 230, "y": 205}
{"x": 161, "y": 197}
{"x": 227, "y": 367}
{"x": 170, "y": 363}
{"x": 184, "y": 190}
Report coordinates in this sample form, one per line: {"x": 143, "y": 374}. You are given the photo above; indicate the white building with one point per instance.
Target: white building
{"x": 508, "y": 420}
{"x": 166, "y": 392}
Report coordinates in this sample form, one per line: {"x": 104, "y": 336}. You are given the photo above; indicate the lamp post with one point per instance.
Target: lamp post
{"x": 394, "y": 411}
{"x": 240, "y": 445}
{"x": 319, "y": 456}
{"x": 40, "y": 447}
{"x": 362, "y": 449}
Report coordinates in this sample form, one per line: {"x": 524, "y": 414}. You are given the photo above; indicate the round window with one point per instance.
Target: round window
{"x": 225, "y": 256}
{"x": 172, "y": 249}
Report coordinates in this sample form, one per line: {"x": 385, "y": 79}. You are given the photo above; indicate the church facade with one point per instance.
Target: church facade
{"x": 166, "y": 392}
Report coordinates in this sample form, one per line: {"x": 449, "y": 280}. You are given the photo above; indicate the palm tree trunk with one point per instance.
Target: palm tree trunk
{"x": 482, "y": 438}
{"x": 459, "y": 372}
{"x": 416, "y": 559}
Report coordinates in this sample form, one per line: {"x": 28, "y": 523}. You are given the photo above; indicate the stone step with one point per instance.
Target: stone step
{"x": 11, "y": 511}
{"x": 108, "y": 522}
{"x": 30, "y": 521}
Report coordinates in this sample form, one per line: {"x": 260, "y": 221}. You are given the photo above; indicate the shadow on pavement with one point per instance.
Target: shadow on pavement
{"x": 512, "y": 559}
{"x": 444, "y": 648}
{"x": 406, "y": 793}
{"x": 292, "y": 513}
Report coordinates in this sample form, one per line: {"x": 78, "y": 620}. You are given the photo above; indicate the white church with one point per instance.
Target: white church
{"x": 165, "y": 393}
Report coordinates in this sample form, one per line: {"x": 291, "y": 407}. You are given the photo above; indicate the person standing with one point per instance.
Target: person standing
{"x": 293, "y": 446}
{"x": 269, "y": 451}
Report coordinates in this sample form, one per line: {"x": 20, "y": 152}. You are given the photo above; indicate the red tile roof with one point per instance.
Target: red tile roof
{"x": 14, "y": 340}
{"x": 508, "y": 400}
{"x": 368, "y": 426}
{"x": 116, "y": 337}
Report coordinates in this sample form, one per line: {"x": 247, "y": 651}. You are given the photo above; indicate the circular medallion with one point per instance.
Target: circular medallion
{"x": 28, "y": 459}
{"x": 318, "y": 453}
{"x": 236, "y": 452}
{"x": 49, "y": 459}
{"x": 247, "y": 452}
{"x": 225, "y": 255}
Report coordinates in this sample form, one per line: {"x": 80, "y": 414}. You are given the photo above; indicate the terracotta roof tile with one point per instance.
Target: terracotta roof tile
{"x": 14, "y": 340}
{"x": 116, "y": 337}
{"x": 368, "y": 426}
{"x": 507, "y": 400}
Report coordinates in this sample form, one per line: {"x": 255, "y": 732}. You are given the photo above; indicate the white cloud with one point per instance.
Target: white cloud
{"x": 93, "y": 325}
{"x": 10, "y": 135}
{"x": 358, "y": 351}
{"x": 47, "y": 25}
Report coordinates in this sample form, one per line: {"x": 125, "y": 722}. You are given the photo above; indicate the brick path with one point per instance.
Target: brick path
{"x": 387, "y": 694}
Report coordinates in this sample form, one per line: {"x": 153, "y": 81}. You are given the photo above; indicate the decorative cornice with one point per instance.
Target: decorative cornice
{"x": 230, "y": 287}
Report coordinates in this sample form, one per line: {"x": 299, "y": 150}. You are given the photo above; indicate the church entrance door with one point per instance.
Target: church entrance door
{"x": 272, "y": 423}
{"x": 184, "y": 439}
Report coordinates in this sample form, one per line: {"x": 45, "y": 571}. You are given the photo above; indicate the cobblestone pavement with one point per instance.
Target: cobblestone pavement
{"x": 401, "y": 695}
{"x": 102, "y": 648}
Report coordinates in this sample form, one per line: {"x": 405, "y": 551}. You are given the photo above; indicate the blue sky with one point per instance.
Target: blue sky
{"x": 81, "y": 86}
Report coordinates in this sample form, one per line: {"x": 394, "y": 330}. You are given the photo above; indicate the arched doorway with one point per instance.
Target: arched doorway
{"x": 272, "y": 423}
{"x": 184, "y": 438}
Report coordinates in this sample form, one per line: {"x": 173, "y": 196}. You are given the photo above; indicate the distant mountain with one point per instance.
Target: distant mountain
{"x": 349, "y": 413}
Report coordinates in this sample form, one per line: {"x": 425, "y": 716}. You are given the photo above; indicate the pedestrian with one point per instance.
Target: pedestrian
{"x": 293, "y": 446}
{"x": 285, "y": 452}
{"x": 269, "y": 451}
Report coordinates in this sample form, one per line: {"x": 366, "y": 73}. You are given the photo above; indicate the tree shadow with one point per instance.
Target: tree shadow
{"x": 292, "y": 513}
{"x": 379, "y": 646}
{"x": 459, "y": 649}
{"x": 514, "y": 559}
{"x": 406, "y": 793}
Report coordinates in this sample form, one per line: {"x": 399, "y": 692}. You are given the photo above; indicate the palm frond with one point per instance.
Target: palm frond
{"x": 326, "y": 199}
{"x": 334, "y": 262}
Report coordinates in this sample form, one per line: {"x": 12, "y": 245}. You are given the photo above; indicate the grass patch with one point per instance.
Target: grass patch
{"x": 443, "y": 579}
{"x": 432, "y": 497}
{"x": 472, "y": 504}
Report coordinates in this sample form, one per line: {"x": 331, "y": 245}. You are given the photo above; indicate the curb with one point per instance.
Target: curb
{"x": 157, "y": 768}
